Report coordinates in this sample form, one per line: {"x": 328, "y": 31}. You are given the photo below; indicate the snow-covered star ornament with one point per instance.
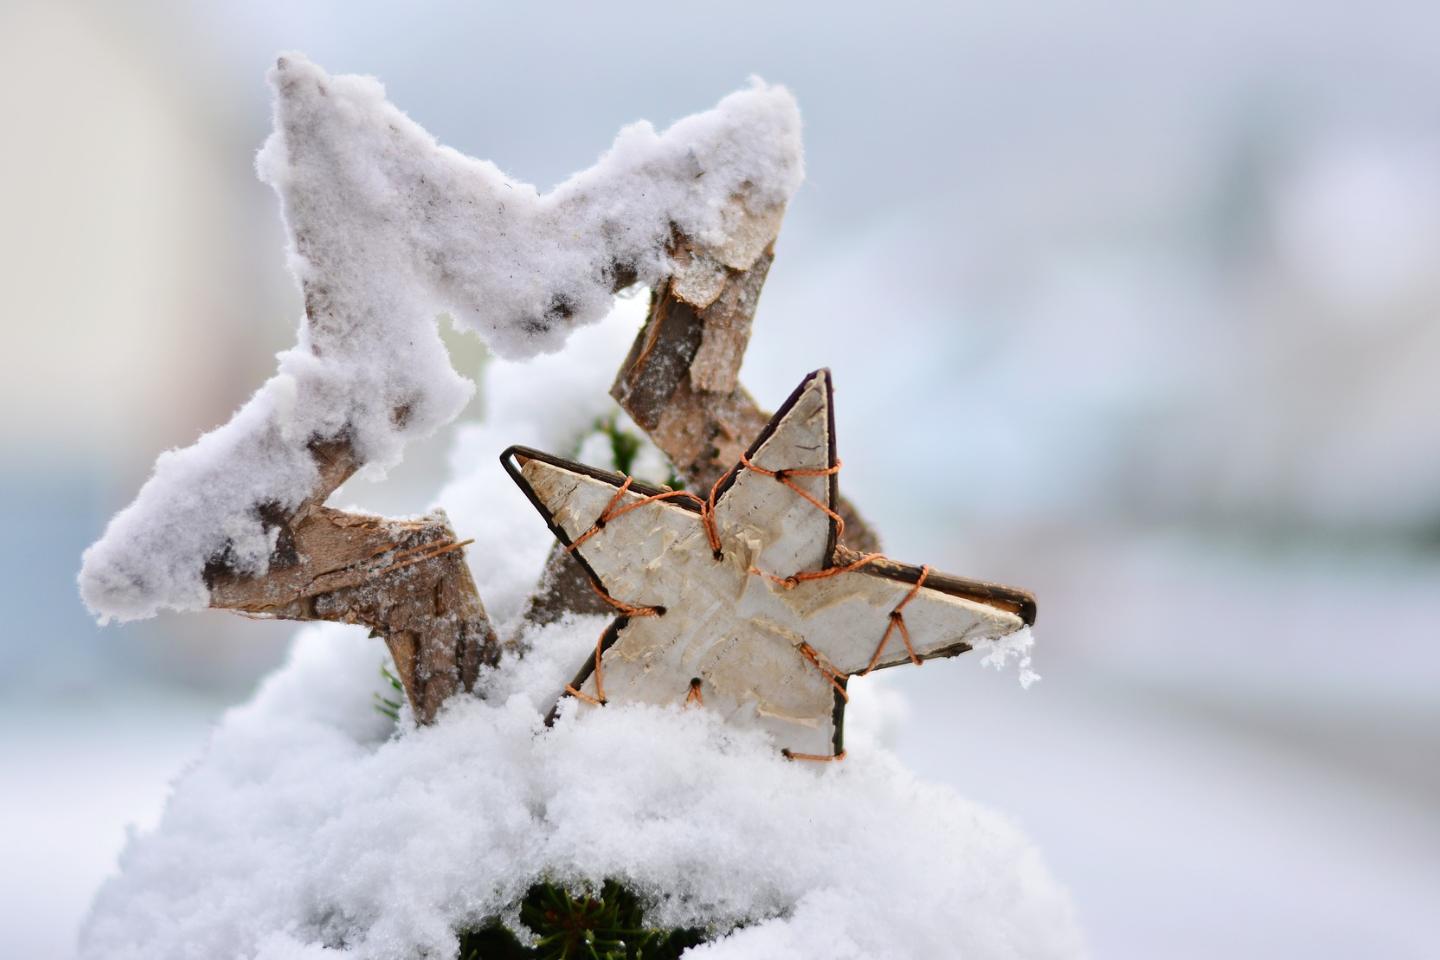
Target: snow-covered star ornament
{"x": 743, "y": 602}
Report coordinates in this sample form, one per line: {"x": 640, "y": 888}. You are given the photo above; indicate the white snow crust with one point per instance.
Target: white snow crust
{"x": 998, "y": 652}
{"x": 308, "y": 830}
{"x": 389, "y": 231}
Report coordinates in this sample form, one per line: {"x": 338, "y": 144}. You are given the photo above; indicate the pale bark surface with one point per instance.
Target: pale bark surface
{"x": 742, "y": 607}
{"x": 681, "y": 385}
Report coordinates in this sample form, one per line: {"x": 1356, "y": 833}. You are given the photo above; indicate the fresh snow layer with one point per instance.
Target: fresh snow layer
{"x": 389, "y": 230}
{"x": 308, "y": 830}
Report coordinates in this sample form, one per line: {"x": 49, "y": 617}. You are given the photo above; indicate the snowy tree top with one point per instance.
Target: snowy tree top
{"x": 313, "y": 829}
{"x": 389, "y": 230}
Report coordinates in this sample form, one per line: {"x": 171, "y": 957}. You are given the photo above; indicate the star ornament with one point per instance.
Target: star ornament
{"x": 743, "y": 602}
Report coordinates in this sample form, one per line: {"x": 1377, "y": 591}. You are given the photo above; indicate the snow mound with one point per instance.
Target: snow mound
{"x": 309, "y": 830}
{"x": 389, "y": 230}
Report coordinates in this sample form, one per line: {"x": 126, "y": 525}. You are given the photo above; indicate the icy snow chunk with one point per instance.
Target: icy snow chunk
{"x": 386, "y": 221}
{"x": 997, "y": 652}
{"x": 388, "y": 231}
{"x": 298, "y": 831}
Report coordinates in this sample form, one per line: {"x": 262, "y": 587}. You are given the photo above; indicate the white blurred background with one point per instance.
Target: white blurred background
{"x": 1133, "y": 305}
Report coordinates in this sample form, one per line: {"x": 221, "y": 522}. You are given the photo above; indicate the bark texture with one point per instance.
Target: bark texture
{"x": 404, "y": 579}
{"x": 681, "y": 385}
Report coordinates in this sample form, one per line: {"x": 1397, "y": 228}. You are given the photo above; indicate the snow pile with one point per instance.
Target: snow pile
{"x": 305, "y": 832}
{"x": 390, "y": 230}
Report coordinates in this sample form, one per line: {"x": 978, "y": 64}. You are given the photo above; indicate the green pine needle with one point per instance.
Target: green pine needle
{"x": 385, "y": 705}
{"x": 624, "y": 446}
{"x": 610, "y": 926}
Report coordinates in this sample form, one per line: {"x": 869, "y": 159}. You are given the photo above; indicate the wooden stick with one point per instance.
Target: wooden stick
{"x": 681, "y": 385}
{"x": 404, "y": 579}
{"x": 681, "y": 381}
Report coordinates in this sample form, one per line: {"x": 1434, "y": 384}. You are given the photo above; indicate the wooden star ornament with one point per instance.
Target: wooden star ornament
{"x": 743, "y": 602}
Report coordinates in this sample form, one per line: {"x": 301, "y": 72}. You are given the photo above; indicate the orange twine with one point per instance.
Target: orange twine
{"x": 426, "y": 551}
{"x": 706, "y": 506}
{"x": 629, "y": 610}
{"x": 897, "y": 620}
{"x": 795, "y": 579}
{"x": 785, "y": 473}
{"x": 613, "y": 510}
{"x": 814, "y": 757}
{"x": 829, "y": 672}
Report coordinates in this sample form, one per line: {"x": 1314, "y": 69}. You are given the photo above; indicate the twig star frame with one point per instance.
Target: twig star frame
{"x": 742, "y": 601}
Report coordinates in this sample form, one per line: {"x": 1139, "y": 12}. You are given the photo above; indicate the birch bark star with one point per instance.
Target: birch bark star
{"x": 741, "y": 602}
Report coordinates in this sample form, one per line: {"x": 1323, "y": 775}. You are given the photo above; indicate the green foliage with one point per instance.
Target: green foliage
{"x": 609, "y": 926}
{"x": 624, "y": 446}
{"x": 385, "y": 705}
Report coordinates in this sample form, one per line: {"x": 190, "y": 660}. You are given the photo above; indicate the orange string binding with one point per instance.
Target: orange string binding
{"x": 827, "y": 671}
{"x": 795, "y": 579}
{"x": 582, "y": 695}
{"x": 813, "y": 757}
{"x": 612, "y": 513}
{"x": 785, "y": 473}
{"x": 706, "y": 506}
{"x": 897, "y": 621}
{"x": 613, "y": 510}
{"x": 426, "y": 551}
{"x": 629, "y": 610}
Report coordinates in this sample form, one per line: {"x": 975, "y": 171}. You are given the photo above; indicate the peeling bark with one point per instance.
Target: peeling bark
{"x": 681, "y": 385}
{"x": 681, "y": 381}
{"x": 404, "y": 579}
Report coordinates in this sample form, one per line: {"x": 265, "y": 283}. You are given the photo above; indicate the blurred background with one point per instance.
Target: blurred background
{"x": 1136, "y": 306}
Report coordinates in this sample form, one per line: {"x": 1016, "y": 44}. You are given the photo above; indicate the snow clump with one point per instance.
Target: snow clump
{"x": 389, "y": 230}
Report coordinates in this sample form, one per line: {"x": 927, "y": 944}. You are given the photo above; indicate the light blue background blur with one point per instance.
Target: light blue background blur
{"x": 1136, "y": 305}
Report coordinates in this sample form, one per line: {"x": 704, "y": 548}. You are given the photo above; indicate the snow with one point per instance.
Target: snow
{"x": 998, "y": 651}
{"x": 307, "y": 824}
{"x": 390, "y": 230}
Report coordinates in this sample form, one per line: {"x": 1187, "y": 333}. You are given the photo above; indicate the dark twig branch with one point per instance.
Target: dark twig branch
{"x": 404, "y": 579}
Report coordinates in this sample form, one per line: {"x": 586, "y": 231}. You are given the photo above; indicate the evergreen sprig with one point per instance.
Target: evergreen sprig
{"x": 608, "y": 926}
{"x": 624, "y": 445}
{"x": 384, "y": 704}
{"x": 625, "y": 448}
